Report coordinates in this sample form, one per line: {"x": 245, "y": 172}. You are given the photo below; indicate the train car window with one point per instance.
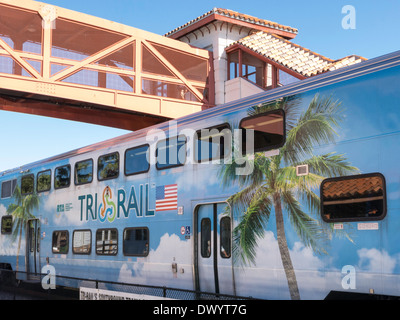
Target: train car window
{"x": 83, "y": 172}
{"x": 268, "y": 129}
{"x": 6, "y": 224}
{"x": 205, "y": 238}
{"x": 62, "y": 177}
{"x": 171, "y": 152}
{"x": 107, "y": 241}
{"x": 212, "y": 143}
{"x": 60, "y": 242}
{"x": 27, "y": 184}
{"x": 43, "y": 181}
{"x": 7, "y": 188}
{"x": 108, "y": 166}
{"x": 136, "y": 242}
{"x": 82, "y": 241}
{"x": 225, "y": 237}
{"x": 353, "y": 198}
{"x": 136, "y": 160}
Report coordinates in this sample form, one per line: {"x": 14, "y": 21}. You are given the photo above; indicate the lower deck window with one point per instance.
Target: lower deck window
{"x": 60, "y": 242}
{"x": 82, "y": 241}
{"x": 107, "y": 241}
{"x": 6, "y": 224}
{"x": 354, "y": 198}
{"x": 136, "y": 242}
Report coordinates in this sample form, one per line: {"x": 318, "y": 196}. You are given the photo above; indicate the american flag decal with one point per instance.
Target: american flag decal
{"x": 167, "y": 197}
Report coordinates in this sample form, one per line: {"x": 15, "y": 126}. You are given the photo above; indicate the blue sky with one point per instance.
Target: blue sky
{"x": 27, "y": 138}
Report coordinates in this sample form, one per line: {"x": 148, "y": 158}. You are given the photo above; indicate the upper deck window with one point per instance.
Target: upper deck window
{"x": 108, "y": 166}
{"x": 62, "y": 177}
{"x": 43, "y": 181}
{"x": 213, "y": 143}
{"x": 171, "y": 152}
{"x": 84, "y": 172}
{"x": 27, "y": 184}
{"x": 136, "y": 160}
{"x": 7, "y": 188}
{"x": 268, "y": 128}
{"x": 353, "y": 198}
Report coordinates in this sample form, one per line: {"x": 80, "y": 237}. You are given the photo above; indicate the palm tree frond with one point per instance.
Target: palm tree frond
{"x": 309, "y": 230}
{"x": 316, "y": 126}
{"x": 249, "y": 230}
{"x": 330, "y": 165}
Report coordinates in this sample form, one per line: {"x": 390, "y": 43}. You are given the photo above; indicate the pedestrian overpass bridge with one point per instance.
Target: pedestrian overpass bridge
{"x": 65, "y": 64}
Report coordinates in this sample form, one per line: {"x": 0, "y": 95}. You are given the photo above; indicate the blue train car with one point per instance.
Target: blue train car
{"x": 289, "y": 194}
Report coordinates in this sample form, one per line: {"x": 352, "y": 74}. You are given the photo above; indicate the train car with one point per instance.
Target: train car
{"x": 288, "y": 194}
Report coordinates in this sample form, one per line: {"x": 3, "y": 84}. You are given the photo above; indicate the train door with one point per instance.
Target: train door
{"x": 214, "y": 267}
{"x": 33, "y": 248}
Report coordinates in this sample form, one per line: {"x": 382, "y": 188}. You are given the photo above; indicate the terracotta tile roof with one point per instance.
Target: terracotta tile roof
{"x": 240, "y": 17}
{"x": 290, "y": 55}
{"x": 369, "y": 186}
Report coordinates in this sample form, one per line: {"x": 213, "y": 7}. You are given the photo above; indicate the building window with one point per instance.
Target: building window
{"x": 213, "y": 143}
{"x": 107, "y": 241}
{"x": 43, "y": 181}
{"x": 136, "y": 242}
{"x": 27, "y": 184}
{"x": 244, "y": 65}
{"x": 108, "y": 166}
{"x": 60, "y": 242}
{"x": 171, "y": 152}
{"x": 264, "y": 131}
{"x": 82, "y": 241}
{"x": 259, "y": 71}
{"x": 62, "y": 177}
{"x": 136, "y": 160}
{"x": 84, "y": 172}
{"x": 354, "y": 198}
{"x": 6, "y": 224}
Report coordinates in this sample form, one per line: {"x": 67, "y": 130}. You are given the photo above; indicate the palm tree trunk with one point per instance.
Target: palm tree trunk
{"x": 284, "y": 250}
{"x": 19, "y": 245}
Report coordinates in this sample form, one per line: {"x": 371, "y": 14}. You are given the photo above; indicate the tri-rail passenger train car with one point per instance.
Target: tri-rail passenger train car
{"x": 289, "y": 194}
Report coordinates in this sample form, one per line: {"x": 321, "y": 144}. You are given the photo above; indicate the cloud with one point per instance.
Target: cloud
{"x": 375, "y": 261}
{"x": 9, "y": 247}
{"x": 156, "y": 268}
{"x": 199, "y": 178}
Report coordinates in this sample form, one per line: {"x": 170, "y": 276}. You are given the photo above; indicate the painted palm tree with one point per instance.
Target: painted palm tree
{"x": 273, "y": 185}
{"x": 21, "y": 210}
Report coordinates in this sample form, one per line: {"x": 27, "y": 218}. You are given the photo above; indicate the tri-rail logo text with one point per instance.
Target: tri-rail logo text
{"x": 109, "y": 206}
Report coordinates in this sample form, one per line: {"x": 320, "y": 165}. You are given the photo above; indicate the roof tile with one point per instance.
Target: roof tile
{"x": 299, "y": 59}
